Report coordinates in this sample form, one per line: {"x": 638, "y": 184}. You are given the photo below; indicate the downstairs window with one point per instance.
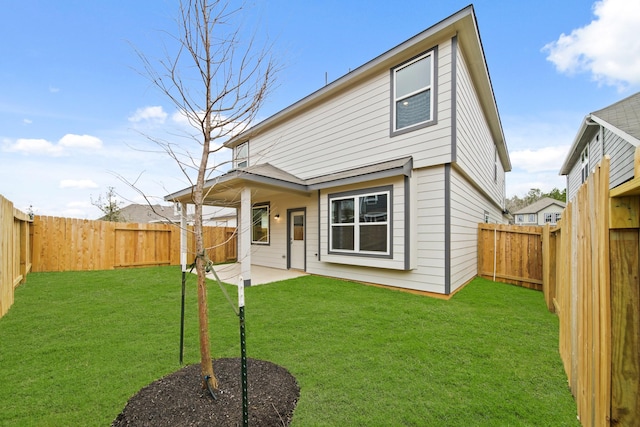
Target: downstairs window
{"x": 360, "y": 223}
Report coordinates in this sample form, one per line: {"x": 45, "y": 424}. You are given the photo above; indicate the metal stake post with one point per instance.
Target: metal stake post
{"x": 184, "y": 280}
{"x": 243, "y": 355}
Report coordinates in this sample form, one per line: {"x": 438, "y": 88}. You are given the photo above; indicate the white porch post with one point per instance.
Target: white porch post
{"x": 244, "y": 236}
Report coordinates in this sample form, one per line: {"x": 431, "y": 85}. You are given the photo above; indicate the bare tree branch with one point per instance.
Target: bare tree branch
{"x": 219, "y": 82}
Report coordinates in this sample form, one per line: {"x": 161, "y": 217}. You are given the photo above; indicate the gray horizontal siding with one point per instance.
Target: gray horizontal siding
{"x": 352, "y": 130}
{"x": 621, "y": 153}
{"x": 467, "y": 210}
{"x": 476, "y": 150}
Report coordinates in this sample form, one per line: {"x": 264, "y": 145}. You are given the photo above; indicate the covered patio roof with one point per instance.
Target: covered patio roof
{"x": 225, "y": 189}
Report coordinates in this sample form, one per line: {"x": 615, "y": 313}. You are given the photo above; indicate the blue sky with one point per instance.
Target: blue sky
{"x": 74, "y": 109}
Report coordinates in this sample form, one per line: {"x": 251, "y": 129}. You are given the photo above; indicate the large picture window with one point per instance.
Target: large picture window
{"x": 413, "y": 93}
{"x": 260, "y": 224}
{"x": 360, "y": 223}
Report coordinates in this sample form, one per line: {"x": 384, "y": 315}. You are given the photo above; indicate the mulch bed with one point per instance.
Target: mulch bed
{"x": 179, "y": 400}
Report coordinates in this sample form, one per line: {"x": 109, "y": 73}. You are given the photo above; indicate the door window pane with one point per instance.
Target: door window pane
{"x": 298, "y": 227}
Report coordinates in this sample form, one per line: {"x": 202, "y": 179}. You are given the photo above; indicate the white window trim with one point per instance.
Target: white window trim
{"x": 240, "y": 162}
{"x": 356, "y": 195}
{"x": 552, "y": 217}
{"x": 261, "y": 206}
{"x": 584, "y": 164}
{"x": 432, "y": 94}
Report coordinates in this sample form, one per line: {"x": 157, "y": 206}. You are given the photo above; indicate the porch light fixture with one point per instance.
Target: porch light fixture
{"x": 277, "y": 216}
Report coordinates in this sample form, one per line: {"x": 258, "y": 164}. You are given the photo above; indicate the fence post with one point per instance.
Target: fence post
{"x": 625, "y": 310}
{"x": 548, "y": 268}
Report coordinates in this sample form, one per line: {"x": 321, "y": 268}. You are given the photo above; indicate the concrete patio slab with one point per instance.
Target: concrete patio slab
{"x": 230, "y": 273}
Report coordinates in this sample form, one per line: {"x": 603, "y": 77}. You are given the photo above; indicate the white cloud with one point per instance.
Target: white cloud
{"x": 608, "y": 47}
{"x": 78, "y": 183}
{"x": 80, "y": 141}
{"x": 35, "y": 146}
{"x": 27, "y": 121}
{"x": 54, "y": 89}
{"x": 541, "y": 160}
{"x": 155, "y": 113}
{"x": 48, "y": 148}
{"x": 79, "y": 204}
{"x": 519, "y": 183}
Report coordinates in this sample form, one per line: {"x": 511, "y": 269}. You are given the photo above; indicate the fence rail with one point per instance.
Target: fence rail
{"x": 68, "y": 244}
{"x": 15, "y": 252}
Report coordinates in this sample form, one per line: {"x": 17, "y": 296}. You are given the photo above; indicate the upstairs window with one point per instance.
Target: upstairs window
{"x": 413, "y": 93}
{"x": 584, "y": 164}
{"x": 241, "y": 155}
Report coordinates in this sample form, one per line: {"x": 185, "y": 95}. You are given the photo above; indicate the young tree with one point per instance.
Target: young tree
{"x": 109, "y": 206}
{"x": 218, "y": 81}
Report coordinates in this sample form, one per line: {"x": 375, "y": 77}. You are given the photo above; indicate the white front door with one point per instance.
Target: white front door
{"x": 296, "y": 240}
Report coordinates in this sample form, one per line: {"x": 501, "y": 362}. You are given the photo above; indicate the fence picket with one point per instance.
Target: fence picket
{"x": 66, "y": 244}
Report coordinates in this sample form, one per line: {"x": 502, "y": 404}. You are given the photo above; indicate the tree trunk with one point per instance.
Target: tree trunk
{"x": 206, "y": 365}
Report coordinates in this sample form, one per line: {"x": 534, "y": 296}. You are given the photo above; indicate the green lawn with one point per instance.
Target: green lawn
{"x": 75, "y": 346}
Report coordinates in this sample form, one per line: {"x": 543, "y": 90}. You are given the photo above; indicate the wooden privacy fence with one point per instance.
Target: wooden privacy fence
{"x": 511, "y": 254}
{"x": 68, "y": 244}
{"x": 589, "y": 268}
{"x": 15, "y": 253}
{"x": 597, "y": 298}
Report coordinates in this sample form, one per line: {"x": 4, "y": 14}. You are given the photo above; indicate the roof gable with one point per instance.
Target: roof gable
{"x": 539, "y": 205}
{"x": 621, "y": 118}
{"x": 623, "y": 115}
{"x": 462, "y": 24}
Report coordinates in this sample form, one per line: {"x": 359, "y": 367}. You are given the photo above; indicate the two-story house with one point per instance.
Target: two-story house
{"x": 613, "y": 131}
{"x": 540, "y": 212}
{"x": 381, "y": 176}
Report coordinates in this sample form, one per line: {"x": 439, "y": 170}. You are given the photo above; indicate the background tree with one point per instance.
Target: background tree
{"x": 109, "y": 206}
{"x": 218, "y": 81}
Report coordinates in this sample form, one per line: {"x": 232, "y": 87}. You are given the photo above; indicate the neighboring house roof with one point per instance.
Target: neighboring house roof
{"x": 621, "y": 118}
{"x": 462, "y": 23}
{"x": 144, "y": 213}
{"x": 540, "y": 205}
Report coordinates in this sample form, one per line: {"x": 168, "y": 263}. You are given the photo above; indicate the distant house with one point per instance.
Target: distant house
{"x": 613, "y": 131}
{"x": 544, "y": 211}
{"x": 381, "y": 176}
{"x": 144, "y": 213}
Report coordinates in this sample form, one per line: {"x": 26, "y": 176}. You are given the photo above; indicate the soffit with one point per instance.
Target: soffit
{"x": 267, "y": 180}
